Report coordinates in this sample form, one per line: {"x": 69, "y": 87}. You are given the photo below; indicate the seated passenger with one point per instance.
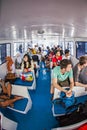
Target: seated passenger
{"x": 10, "y": 65}
{"x": 33, "y": 51}
{"x": 83, "y": 75}
{"x": 63, "y": 77}
{"x": 18, "y": 61}
{"x": 26, "y": 63}
{"x": 5, "y": 95}
{"x": 56, "y": 59}
{"x": 35, "y": 58}
{"x": 70, "y": 57}
{"x": 77, "y": 71}
{"x": 67, "y": 55}
{"x": 10, "y": 69}
{"x": 47, "y": 62}
{"x": 29, "y": 52}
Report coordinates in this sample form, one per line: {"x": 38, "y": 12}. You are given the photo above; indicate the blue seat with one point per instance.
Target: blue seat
{"x": 60, "y": 110}
{"x": 22, "y": 105}
{"x": 18, "y": 81}
{"x": 30, "y": 85}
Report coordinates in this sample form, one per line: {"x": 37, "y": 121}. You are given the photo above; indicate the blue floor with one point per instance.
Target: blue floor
{"x": 40, "y": 116}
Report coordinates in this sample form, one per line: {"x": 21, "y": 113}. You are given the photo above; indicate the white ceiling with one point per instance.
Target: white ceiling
{"x": 21, "y": 19}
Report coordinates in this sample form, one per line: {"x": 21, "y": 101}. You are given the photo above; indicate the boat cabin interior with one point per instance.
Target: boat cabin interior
{"x": 37, "y": 37}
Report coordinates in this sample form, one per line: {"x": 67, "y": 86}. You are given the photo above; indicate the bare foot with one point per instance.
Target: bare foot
{"x": 4, "y": 97}
{"x": 18, "y": 97}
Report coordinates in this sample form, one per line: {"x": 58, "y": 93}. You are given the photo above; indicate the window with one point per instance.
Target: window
{"x": 69, "y": 46}
{"x": 19, "y": 47}
{"x": 5, "y": 50}
{"x": 81, "y": 48}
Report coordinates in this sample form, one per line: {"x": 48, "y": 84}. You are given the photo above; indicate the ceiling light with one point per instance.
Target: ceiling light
{"x": 25, "y": 33}
{"x": 63, "y": 34}
{"x": 72, "y": 31}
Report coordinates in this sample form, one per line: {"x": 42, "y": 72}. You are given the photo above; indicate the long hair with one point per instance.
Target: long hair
{"x": 28, "y": 63}
{"x": 9, "y": 62}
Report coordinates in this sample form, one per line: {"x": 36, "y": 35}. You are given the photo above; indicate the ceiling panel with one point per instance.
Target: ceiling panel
{"x": 19, "y": 18}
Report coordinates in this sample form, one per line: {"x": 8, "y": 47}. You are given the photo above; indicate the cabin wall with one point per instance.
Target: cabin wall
{"x": 3, "y": 70}
{"x": 74, "y": 41}
{"x": 3, "y": 66}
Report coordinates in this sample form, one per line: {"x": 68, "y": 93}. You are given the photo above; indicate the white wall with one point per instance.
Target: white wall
{"x": 3, "y": 70}
{"x": 3, "y": 66}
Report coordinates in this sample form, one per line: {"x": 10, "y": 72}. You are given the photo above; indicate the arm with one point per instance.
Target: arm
{"x": 69, "y": 92}
{"x": 76, "y": 78}
{"x": 56, "y": 85}
{"x": 71, "y": 83}
{"x": 80, "y": 84}
{"x": 32, "y": 65}
{"x": 3, "y": 86}
{"x": 22, "y": 66}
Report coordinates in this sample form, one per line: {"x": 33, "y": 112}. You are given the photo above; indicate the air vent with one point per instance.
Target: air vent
{"x": 40, "y": 31}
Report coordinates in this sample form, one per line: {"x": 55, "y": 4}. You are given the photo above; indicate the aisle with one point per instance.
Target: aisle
{"x": 41, "y": 113}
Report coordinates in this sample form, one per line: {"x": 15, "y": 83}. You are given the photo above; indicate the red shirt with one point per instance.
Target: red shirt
{"x": 56, "y": 60}
{"x": 50, "y": 56}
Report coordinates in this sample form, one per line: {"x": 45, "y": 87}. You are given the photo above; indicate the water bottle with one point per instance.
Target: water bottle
{"x": 42, "y": 65}
{"x": 37, "y": 74}
{"x": 44, "y": 72}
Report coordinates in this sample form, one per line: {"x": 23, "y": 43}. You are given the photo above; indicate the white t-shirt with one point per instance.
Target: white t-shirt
{"x": 13, "y": 68}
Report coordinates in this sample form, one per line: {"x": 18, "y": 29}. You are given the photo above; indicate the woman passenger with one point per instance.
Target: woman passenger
{"x": 26, "y": 63}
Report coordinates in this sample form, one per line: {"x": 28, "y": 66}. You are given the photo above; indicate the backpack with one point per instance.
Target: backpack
{"x": 74, "y": 111}
{"x": 77, "y": 116}
{"x": 67, "y": 101}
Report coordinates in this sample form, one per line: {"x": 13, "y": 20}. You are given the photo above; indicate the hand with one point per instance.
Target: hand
{"x": 69, "y": 93}
{"x": 25, "y": 70}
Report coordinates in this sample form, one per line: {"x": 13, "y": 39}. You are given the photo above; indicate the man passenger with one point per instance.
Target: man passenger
{"x": 77, "y": 71}
{"x": 63, "y": 77}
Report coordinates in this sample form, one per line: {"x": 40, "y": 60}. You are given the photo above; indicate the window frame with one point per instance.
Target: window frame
{"x": 2, "y": 59}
